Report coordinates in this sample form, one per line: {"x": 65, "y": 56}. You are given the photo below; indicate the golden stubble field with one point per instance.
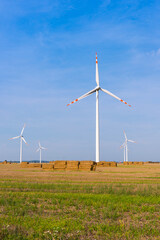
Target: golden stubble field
{"x": 124, "y": 174}
{"x": 111, "y": 203}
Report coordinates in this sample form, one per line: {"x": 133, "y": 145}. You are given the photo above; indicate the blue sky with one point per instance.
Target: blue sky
{"x": 48, "y": 59}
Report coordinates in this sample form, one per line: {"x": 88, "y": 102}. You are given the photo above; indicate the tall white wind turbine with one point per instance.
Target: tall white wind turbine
{"x": 125, "y": 147}
{"x": 40, "y": 150}
{"x": 21, "y": 140}
{"x": 96, "y": 90}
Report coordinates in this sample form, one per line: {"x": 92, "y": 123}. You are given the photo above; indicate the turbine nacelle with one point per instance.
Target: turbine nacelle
{"x": 98, "y": 88}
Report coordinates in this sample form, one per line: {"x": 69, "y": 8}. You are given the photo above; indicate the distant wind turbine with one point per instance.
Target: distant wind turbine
{"x": 97, "y": 106}
{"x": 125, "y": 147}
{"x": 21, "y": 139}
{"x": 40, "y": 150}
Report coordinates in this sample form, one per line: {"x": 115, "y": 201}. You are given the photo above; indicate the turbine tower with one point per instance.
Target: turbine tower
{"x": 125, "y": 146}
{"x": 40, "y": 150}
{"x": 97, "y": 89}
{"x": 21, "y": 140}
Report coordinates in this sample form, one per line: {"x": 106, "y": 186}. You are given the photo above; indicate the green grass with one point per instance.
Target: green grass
{"x": 120, "y": 203}
{"x": 96, "y": 188}
{"x": 78, "y": 211}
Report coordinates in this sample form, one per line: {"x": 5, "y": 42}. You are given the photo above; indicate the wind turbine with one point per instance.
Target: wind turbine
{"x": 96, "y": 90}
{"x": 125, "y": 146}
{"x": 21, "y": 139}
{"x": 40, "y": 150}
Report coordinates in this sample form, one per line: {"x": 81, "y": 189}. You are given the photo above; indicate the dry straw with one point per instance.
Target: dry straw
{"x": 33, "y": 165}
{"x": 24, "y": 164}
{"x": 48, "y": 166}
{"x": 138, "y": 163}
{"x": 63, "y": 165}
{"x": 87, "y": 166}
{"x": 133, "y": 163}
{"x": 107, "y": 164}
{"x": 4, "y": 162}
{"x": 60, "y": 165}
{"x": 72, "y": 165}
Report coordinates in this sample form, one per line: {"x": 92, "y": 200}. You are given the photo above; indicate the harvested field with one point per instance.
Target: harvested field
{"x": 110, "y": 203}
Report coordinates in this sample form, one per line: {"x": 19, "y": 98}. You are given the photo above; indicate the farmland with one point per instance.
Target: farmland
{"x": 111, "y": 203}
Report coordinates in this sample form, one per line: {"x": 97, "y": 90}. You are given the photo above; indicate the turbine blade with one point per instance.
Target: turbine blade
{"x": 14, "y": 138}
{"x": 125, "y": 135}
{"x": 23, "y": 129}
{"x": 39, "y": 145}
{"x": 83, "y": 96}
{"x": 24, "y": 140}
{"x": 43, "y": 148}
{"x": 111, "y": 94}
{"x": 123, "y": 145}
{"x": 37, "y": 149}
{"x": 131, "y": 141}
{"x": 97, "y": 73}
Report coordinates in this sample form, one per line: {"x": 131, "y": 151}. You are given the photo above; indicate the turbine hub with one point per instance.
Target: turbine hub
{"x": 97, "y": 88}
